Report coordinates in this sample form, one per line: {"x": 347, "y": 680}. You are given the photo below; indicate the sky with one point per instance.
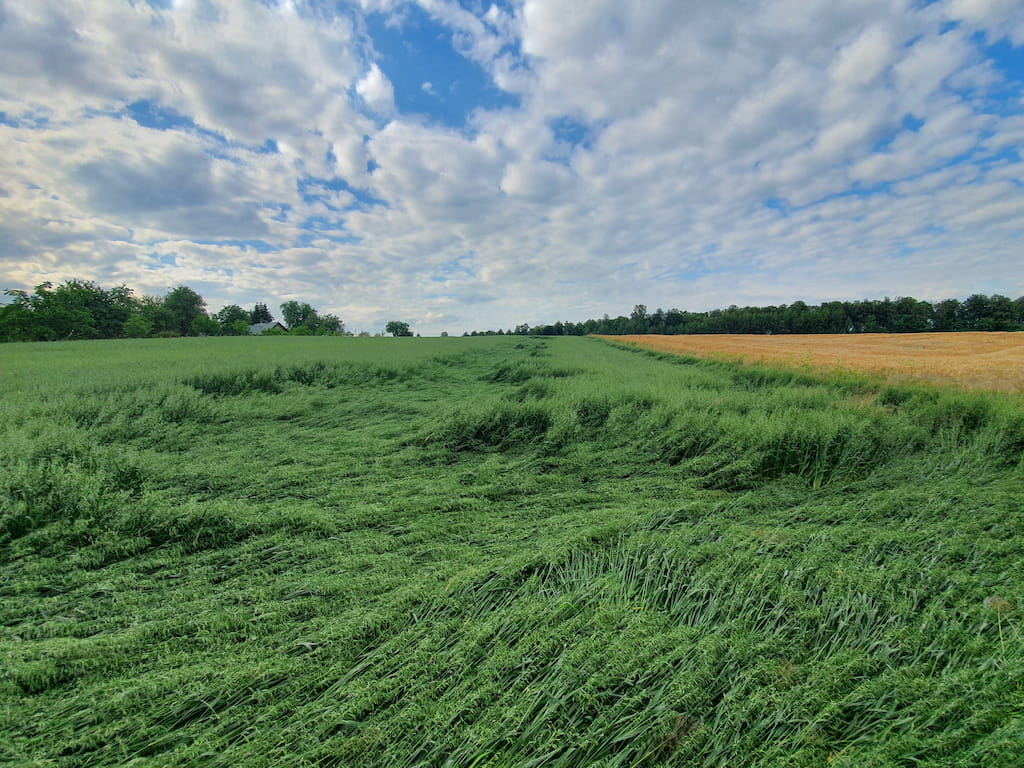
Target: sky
{"x": 465, "y": 165}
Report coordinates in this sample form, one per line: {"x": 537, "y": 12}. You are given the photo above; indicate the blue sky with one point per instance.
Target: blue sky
{"x": 469, "y": 165}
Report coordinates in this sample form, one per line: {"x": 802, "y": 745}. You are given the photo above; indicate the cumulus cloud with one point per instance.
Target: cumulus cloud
{"x": 377, "y": 91}
{"x": 538, "y": 182}
{"x": 691, "y": 155}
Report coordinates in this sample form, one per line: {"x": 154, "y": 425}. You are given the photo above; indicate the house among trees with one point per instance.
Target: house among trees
{"x": 257, "y": 329}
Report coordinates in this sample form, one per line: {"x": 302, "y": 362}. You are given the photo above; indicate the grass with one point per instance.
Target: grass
{"x": 500, "y": 552}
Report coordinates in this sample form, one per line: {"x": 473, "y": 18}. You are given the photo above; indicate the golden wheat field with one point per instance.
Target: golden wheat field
{"x": 989, "y": 360}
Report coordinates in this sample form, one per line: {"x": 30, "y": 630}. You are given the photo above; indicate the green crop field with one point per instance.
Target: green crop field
{"x": 477, "y": 552}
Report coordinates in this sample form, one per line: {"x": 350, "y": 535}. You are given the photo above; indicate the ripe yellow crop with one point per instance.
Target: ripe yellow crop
{"x": 993, "y": 361}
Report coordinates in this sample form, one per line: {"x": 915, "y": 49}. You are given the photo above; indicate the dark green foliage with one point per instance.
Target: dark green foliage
{"x": 500, "y": 552}
{"x": 79, "y": 309}
{"x": 904, "y": 315}
{"x": 260, "y": 314}
{"x": 76, "y": 309}
{"x": 160, "y": 317}
{"x": 204, "y": 325}
{"x": 186, "y": 307}
{"x": 328, "y": 325}
{"x": 233, "y": 320}
{"x": 397, "y": 328}
{"x": 304, "y": 320}
{"x": 138, "y": 327}
{"x": 296, "y": 314}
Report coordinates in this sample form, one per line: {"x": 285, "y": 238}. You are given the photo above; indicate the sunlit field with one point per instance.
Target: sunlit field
{"x": 500, "y": 551}
{"x": 971, "y": 360}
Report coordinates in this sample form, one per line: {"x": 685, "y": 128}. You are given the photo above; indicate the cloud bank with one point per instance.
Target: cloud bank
{"x": 476, "y": 165}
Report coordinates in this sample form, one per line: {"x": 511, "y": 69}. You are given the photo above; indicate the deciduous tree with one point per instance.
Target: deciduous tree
{"x": 185, "y": 306}
{"x": 137, "y": 327}
{"x": 296, "y": 314}
{"x": 229, "y": 316}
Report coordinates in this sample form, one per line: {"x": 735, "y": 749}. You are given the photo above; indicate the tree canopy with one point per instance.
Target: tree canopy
{"x": 76, "y": 309}
{"x": 186, "y": 307}
{"x": 80, "y": 309}
{"x": 260, "y": 314}
{"x": 303, "y": 320}
{"x": 977, "y": 312}
{"x": 233, "y": 320}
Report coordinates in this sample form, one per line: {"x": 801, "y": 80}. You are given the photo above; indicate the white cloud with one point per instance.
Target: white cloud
{"x": 928, "y": 63}
{"x": 377, "y": 91}
{"x": 539, "y": 182}
{"x": 692, "y": 155}
{"x": 998, "y": 18}
{"x": 862, "y": 62}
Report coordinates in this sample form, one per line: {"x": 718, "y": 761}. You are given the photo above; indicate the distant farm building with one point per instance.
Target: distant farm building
{"x": 257, "y": 328}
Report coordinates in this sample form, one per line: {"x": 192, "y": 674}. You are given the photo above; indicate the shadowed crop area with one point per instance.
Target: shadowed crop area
{"x": 500, "y": 551}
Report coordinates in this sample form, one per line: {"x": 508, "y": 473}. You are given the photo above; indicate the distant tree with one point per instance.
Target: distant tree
{"x": 153, "y": 309}
{"x": 656, "y": 322}
{"x": 638, "y": 319}
{"x": 329, "y": 325}
{"x": 137, "y": 327}
{"x": 76, "y": 309}
{"x": 204, "y": 325}
{"x": 260, "y": 314}
{"x": 976, "y": 313}
{"x": 186, "y": 306}
{"x": 108, "y": 309}
{"x": 835, "y": 318}
{"x": 80, "y": 309}
{"x": 229, "y": 316}
{"x": 1003, "y": 314}
{"x": 912, "y": 316}
{"x": 444, "y": 334}
{"x": 16, "y": 317}
{"x": 947, "y": 315}
{"x": 296, "y": 314}
{"x": 300, "y": 314}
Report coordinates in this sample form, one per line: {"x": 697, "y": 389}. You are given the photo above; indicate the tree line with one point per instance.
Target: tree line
{"x": 81, "y": 309}
{"x": 977, "y": 312}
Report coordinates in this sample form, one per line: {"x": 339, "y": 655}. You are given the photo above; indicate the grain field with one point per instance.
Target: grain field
{"x": 992, "y": 361}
